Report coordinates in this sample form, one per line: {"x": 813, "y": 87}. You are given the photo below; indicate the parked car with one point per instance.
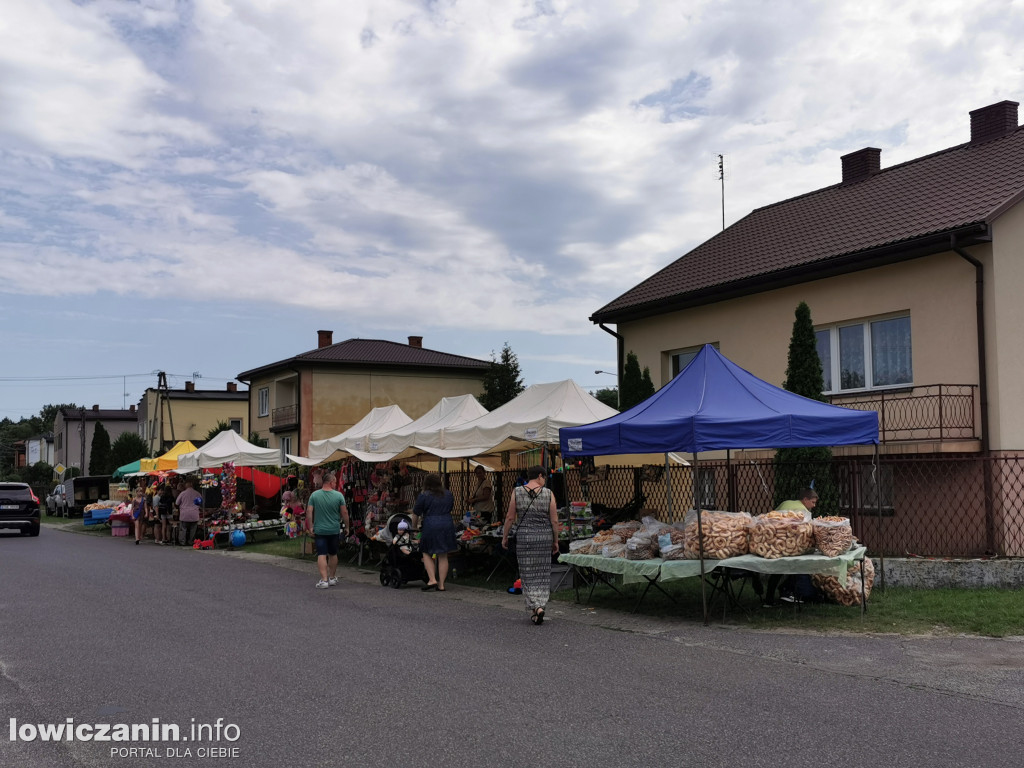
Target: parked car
{"x": 19, "y": 508}
{"x": 56, "y": 501}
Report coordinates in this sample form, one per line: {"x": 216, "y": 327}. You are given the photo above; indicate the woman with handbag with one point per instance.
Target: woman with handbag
{"x": 536, "y": 534}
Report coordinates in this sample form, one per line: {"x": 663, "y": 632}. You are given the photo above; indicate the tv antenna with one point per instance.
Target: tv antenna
{"x": 721, "y": 178}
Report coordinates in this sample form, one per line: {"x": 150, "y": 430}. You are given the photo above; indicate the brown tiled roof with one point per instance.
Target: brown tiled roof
{"x": 841, "y": 227}
{"x": 376, "y": 353}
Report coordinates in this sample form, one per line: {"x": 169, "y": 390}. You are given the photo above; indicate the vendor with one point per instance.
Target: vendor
{"x": 808, "y": 501}
{"x": 482, "y": 500}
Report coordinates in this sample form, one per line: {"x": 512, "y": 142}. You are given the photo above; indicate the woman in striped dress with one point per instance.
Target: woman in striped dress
{"x": 533, "y": 505}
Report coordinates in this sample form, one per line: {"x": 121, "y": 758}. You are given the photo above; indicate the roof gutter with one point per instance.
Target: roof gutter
{"x": 979, "y": 301}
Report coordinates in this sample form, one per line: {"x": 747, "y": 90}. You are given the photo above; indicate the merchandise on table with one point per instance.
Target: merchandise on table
{"x": 626, "y": 529}
{"x": 832, "y": 535}
{"x": 617, "y": 549}
{"x": 725, "y": 534}
{"x": 772, "y": 536}
{"x": 848, "y": 594}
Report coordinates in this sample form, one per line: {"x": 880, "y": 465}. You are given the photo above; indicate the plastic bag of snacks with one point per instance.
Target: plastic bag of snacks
{"x": 625, "y": 530}
{"x": 641, "y": 547}
{"x": 614, "y": 550}
{"x": 849, "y": 593}
{"x": 581, "y": 547}
{"x": 725, "y": 534}
{"x": 832, "y": 535}
{"x": 605, "y": 537}
{"x": 781, "y": 534}
{"x": 673, "y": 552}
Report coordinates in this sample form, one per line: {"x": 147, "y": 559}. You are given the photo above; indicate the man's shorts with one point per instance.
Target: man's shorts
{"x": 327, "y": 545}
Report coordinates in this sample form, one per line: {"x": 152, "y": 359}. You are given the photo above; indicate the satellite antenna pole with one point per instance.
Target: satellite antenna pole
{"x": 721, "y": 178}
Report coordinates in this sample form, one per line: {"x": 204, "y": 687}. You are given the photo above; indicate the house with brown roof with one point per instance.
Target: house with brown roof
{"x": 74, "y": 429}
{"x": 321, "y": 393}
{"x": 914, "y": 276}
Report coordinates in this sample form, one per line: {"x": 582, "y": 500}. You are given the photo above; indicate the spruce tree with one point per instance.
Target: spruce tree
{"x": 127, "y": 448}
{"x": 799, "y": 468}
{"x": 99, "y": 452}
{"x": 646, "y": 385}
{"x": 503, "y": 380}
{"x": 632, "y": 383}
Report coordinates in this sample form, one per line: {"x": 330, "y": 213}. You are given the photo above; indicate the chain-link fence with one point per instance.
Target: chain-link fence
{"x": 948, "y": 506}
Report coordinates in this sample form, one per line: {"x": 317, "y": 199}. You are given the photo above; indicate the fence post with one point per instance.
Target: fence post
{"x": 942, "y": 433}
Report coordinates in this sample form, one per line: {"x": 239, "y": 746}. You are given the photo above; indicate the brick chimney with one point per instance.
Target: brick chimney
{"x": 416, "y": 341}
{"x": 861, "y": 164}
{"x": 993, "y": 121}
{"x": 131, "y": 409}
{"x": 232, "y": 386}
{"x": 95, "y": 407}
{"x": 190, "y": 386}
{"x": 324, "y": 339}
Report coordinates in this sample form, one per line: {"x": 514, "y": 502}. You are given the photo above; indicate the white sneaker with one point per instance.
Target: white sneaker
{"x": 333, "y": 581}
{"x": 322, "y": 584}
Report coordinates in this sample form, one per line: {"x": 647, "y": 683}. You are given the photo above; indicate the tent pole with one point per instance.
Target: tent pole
{"x": 700, "y": 535}
{"x": 668, "y": 488}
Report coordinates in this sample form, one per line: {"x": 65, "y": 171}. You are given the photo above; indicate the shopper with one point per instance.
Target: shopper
{"x": 188, "y": 502}
{"x": 482, "y": 499}
{"x": 324, "y": 515}
{"x": 536, "y": 532}
{"x": 165, "y": 512}
{"x": 434, "y": 507}
{"x": 139, "y": 513}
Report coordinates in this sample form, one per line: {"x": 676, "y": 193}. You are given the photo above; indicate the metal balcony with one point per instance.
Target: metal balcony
{"x": 284, "y": 418}
{"x": 930, "y": 412}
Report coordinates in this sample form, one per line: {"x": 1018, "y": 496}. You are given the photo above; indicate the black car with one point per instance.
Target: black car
{"x": 19, "y": 508}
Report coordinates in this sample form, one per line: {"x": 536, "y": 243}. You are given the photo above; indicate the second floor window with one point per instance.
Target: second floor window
{"x": 867, "y": 355}
{"x": 264, "y": 401}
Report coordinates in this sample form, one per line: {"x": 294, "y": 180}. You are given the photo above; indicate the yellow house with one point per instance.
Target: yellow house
{"x": 913, "y": 274}
{"x": 169, "y": 416}
{"x": 322, "y": 392}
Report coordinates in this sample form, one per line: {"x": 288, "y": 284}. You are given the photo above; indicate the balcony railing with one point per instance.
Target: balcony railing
{"x": 932, "y": 412}
{"x": 283, "y": 418}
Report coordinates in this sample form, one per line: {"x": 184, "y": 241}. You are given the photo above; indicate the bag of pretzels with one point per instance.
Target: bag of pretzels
{"x": 782, "y": 534}
{"x": 832, "y": 535}
{"x": 725, "y": 534}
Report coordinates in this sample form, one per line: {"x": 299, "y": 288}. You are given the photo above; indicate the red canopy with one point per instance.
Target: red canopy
{"x": 267, "y": 486}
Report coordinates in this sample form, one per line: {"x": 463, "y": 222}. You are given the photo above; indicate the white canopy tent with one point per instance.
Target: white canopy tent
{"x": 229, "y": 446}
{"x": 382, "y": 420}
{"x": 409, "y": 440}
{"x": 532, "y": 418}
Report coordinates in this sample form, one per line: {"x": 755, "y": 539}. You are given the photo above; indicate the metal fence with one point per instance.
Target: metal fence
{"x": 948, "y": 506}
{"x": 931, "y": 412}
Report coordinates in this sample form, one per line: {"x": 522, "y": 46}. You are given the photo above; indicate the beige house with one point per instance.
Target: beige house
{"x": 168, "y": 416}
{"x": 913, "y": 274}
{"x": 323, "y": 392}
{"x": 74, "y": 429}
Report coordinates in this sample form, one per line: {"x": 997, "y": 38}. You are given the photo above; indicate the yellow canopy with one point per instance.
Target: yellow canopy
{"x": 170, "y": 459}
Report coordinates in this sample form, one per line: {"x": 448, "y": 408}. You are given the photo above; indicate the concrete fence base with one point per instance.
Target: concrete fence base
{"x": 961, "y": 574}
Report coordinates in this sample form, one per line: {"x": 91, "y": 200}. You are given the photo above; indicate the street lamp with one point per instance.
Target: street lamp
{"x": 610, "y": 373}
{"x": 618, "y": 394}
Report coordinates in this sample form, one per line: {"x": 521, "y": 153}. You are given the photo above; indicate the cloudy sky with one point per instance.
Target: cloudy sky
{"x": 198, "y": 186}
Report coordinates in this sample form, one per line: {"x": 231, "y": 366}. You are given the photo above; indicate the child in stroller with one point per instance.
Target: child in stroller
{"x": 401, "y": 562}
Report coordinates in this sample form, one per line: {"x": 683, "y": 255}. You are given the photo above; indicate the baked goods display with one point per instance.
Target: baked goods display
{"x": 725, "y": 535}
{"x": 849, "y": 593}
{"x": 773, "y": 537}
{"x": 832, "y": 535}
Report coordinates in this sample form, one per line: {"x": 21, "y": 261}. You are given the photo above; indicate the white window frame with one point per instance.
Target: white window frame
{"x": 263, "y": 401}
{"x": 869, "y": 373}
{"x": 673, "y": 355}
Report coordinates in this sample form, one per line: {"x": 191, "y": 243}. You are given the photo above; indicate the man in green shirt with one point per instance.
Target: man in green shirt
{"x": 324, "y": 513}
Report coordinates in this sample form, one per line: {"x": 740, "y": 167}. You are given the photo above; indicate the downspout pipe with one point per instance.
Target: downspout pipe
{"x": 979, "y": 289}
{"x": 619, "y": 351}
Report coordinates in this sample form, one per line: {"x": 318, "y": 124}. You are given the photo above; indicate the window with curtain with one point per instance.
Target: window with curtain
{"x": 866, "y": 355}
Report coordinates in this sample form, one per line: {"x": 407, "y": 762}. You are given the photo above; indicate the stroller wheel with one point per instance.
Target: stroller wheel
{"x": 385, "y": 578}
{"x": 396, "y": 578}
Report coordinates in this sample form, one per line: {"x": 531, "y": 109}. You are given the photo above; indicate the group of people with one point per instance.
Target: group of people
{"x": 531, "y": 519}
{"x": 154, "y": 507}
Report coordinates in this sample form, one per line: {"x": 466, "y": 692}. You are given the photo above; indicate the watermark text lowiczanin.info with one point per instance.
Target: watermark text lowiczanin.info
{"x": 153, "y": 731}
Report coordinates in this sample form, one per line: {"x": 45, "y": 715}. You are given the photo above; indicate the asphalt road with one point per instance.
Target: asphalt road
{"x": 101, "y": 631}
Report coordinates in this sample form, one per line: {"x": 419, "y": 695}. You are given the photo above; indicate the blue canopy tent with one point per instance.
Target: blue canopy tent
{"x": 713, "y": 404}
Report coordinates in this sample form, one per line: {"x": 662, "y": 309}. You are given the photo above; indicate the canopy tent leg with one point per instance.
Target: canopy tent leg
{"x": 668, "y": 487}
{"x": 700, "y": 535}
{"x": 878, "y": 496}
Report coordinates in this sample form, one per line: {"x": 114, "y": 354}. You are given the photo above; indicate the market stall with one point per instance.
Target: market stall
{"x": 713, "y": 404}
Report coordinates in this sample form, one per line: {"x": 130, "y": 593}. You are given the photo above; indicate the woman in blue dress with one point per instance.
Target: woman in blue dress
{"x": 434, "y": 508}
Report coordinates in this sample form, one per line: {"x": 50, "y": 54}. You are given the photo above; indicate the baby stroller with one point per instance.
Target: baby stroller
{"x": 398, "y": 567}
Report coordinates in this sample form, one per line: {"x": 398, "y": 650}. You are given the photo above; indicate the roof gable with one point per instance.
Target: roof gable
{"x": 951, "y": 190}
